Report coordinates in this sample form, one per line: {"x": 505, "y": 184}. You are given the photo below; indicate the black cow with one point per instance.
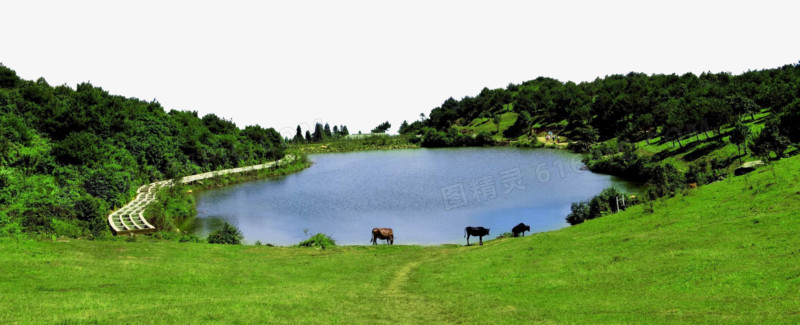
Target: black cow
{"x": 477, "y": 232}
{"x": 520, "y": 228}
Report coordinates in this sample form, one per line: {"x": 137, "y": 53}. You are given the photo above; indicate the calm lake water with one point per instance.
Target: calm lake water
{"x": 427, "y": 196}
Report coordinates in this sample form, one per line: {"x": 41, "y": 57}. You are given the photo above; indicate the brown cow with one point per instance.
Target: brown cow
{"x": 382, "y": 233}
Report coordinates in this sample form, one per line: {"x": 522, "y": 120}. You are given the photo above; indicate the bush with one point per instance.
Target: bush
{"x": 526, "y": 142}
{"x": 229, "y": 234}
{"x": 189, "y": 239}
{"x": 702, "y": 172}
{"x": 605, "y": 202}
{"x": 665, "y": 180}
{"x": 506, "y": 235}
{"x": 579, "y": 214}
{"x": 318, "y": 240}
{"x": 9, "y": 228}
{"x": 171, "y": 208}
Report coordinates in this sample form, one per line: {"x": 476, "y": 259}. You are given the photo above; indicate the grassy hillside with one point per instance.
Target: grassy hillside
{"x": 486, "y": 124}
{"x": 726, "y": 252}
{"x": 701, "y": 146}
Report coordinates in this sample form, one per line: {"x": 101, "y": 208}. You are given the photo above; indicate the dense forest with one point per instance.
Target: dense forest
{"x": 631, "y": 107}
{"x": 70, "y": 156}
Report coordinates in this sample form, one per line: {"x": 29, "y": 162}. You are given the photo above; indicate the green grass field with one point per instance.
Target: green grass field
{"x": 728, "y": 252}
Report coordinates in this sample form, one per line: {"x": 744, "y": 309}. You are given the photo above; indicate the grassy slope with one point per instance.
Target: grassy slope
{"x": 726, "y": 252}
{"x": 485, "y": 124}
{"x": 698, "y": 146}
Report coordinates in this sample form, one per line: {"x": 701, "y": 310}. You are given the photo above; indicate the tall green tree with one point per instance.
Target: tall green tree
{"x": 319, "y": 133}
{"x": 739, "y": 136}
{"x": 770, "y": 140}
{"x": 298, "y": 137}
{"x": 382, "y": 128}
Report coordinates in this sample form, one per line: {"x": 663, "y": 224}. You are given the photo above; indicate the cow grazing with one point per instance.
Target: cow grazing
{"x": 382, "y": 233}
{"x": 477, "y": 232}
{"x": 520, "y": 228}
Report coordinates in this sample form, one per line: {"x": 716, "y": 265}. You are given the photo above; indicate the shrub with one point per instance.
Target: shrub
{"x": 579, "y": 214}
{"x": 605, "y": 202}
{"x": 506, "y": 235}
{"x": 9, "y": 228}
{"x": 228, "y": 234}
{"x": 189, "y": 239}
{"x": 171, "y": 208}
{"x": 701, "y": 172}
{"x": 665, "y": 180}
{"x": 63, "y": 228}
{"x": 526, "y": 142}
{"x": 318, "y": 240}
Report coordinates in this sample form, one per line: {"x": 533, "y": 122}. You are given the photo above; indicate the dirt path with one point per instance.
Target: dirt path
{"x": 404, "y": 305}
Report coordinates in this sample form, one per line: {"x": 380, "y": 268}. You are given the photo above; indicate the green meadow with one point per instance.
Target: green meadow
{"x": 727, "y": 252}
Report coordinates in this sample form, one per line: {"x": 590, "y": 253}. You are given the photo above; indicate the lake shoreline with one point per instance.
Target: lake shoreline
{"x": 278, "y": 211}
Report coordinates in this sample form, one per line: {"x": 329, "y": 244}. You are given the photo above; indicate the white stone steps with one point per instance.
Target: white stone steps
{"x": 130, "y": 218}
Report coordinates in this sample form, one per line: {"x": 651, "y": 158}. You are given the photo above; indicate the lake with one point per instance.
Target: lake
{"x": 428, "y": 196}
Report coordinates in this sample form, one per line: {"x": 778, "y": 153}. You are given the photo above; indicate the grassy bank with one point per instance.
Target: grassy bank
{"x": 388, "y": 142}
{"x": 726, "y": 252}
{"x": 175, "y": 208}
{"x": 296, "y": 165}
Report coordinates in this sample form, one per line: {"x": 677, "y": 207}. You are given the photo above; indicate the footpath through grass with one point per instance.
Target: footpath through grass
{"x": 728, "y": 252}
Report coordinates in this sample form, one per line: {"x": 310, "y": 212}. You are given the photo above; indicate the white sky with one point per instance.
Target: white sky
{"x": 359, "y": 63}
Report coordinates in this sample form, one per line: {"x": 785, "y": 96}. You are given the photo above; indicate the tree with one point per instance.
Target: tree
{"x": 336, "y": 130}
{"x": 344, "y": 131}
{"x": 742, "y": 105}
{"x": 739, "y": 136}
{"x": 403, "y": 127}
{"x": 665, "y": 180}
{"x": 496, "y": 121}
{"x": 319, "y": 133}
{"x": 770, "y": 140}
{"x": 382, "y": 127}
{"x": 308, "y": 136}
{"x": 521, "y": 125}
{"x": 790, "y": 121}
{"x": 644, "y": 123}
{"x": 327, "y": 129}
{"x": 299, "y": 136}
{"x": 586, "y": 134}
{"x": 579, "y": 213}
{"x": 8, "y": 77}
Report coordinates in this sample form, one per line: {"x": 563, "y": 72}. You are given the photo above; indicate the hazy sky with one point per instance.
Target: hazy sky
{"x": 359, "y": 63}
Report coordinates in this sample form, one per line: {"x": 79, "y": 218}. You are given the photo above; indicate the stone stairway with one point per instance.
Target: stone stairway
{"x": 130, "y": 218}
